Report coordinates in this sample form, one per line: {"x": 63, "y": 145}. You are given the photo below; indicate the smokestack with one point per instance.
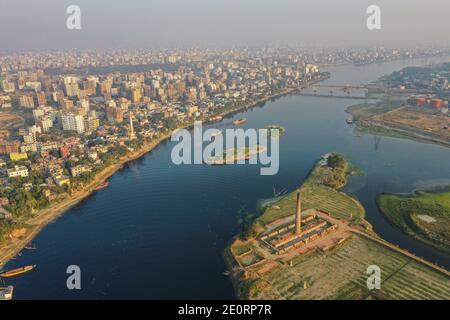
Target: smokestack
{"x": 298, "y": 215}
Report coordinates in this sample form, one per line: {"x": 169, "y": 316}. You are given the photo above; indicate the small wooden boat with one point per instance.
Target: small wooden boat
{"x": 30, "y": 246}
{"x": 17, "y": 272}
{"x": 102, "y": 186}
{"x": 6, "y": 293}
{"x": 239, "y": 121}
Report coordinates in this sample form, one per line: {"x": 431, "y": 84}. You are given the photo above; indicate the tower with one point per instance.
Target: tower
{"x": 132, "y": 134}
{"x": 298, "y": 215}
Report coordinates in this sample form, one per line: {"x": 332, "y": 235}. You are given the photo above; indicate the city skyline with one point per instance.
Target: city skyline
{"x": 30, "y": 25}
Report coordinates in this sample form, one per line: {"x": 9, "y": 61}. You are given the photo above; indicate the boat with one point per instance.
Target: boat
{"x": 239, "y": 121}
{"x": 349, "y": 120}
{"x": 30, "y": 246}
{"x": 102, "y": 186}
{"x": 17, "y": 272}
{"x": 6, "y": 293}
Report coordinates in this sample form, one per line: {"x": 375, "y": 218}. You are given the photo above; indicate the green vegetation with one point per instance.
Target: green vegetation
{"x": 6, "y": 227}
{"x": 279, "y": 130}
{"x": 365, "y": 111}
{"x": 320, "y": 191}
{"x": 424, "y": 216}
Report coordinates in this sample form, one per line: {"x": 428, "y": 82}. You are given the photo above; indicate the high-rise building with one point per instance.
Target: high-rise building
{"x": 136, "y": 95}
{"x": 71, "y": 122}
{"x": 114, "y": 114}
{"x": 83, "y": 104}
{"x": 45, "y": 123}
{"x": 66, "y": 105}
{"x": 41, "y": 98}
{"x": 71, "y": 86}
{"x": 26, "y": 101}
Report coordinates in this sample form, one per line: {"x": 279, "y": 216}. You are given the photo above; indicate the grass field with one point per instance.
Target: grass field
{"x": 342, "y": 274}
{"x": 424, "y": 216}
{"x": 365, "y": 111}
{"x": 317, "y": 195}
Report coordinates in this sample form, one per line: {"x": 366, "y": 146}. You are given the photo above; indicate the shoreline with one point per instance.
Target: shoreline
{"x": 45, "y": 216}
{"x": 397, "y": 131}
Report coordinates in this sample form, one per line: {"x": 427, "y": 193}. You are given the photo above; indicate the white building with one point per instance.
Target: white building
{"x": 46, "y": 123}
{"x": 78, "y": 170}
{"x": 18, "y": 171}
{"x": 73, "y": 122}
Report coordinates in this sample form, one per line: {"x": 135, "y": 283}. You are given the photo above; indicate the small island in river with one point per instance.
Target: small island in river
{"x": 423, "y": 215}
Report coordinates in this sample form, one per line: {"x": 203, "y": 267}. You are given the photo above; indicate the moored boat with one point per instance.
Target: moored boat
{"x": 102, "y": 186}
{"x": 30, "y": 246}
{"x": 6, "y": 293}
{"x": 239, "y": 121}
{"x": 17, "y": 272}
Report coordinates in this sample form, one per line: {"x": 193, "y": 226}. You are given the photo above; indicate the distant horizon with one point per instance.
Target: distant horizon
{"x": 308, "y": 49}
{"x": 27, "y": 25}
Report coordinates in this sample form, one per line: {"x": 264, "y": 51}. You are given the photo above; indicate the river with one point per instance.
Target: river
{"x": 159, "y": 230}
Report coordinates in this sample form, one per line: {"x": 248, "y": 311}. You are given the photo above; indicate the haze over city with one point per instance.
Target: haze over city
{"x": 175, "y": 23}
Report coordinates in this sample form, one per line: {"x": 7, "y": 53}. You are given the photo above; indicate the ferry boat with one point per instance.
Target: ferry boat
{"x": 239, "y": 121}
{"x": 17, "y": 272}
{"x": 102, "y": 186}
{"x": 6, "y": 293}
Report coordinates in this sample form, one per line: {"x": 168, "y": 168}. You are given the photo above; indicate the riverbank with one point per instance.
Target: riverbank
{"x": 332, "y": 267}
{"x": 45, "y": 216}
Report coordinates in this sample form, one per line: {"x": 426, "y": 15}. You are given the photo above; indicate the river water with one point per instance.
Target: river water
{"x": 159, "y": 230}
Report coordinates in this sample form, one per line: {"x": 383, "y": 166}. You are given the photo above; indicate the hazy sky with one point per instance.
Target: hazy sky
{"x": 41, "y": 24}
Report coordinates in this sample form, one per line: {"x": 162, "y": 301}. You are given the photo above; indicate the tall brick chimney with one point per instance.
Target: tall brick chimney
{"x": 298, "y": 215}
